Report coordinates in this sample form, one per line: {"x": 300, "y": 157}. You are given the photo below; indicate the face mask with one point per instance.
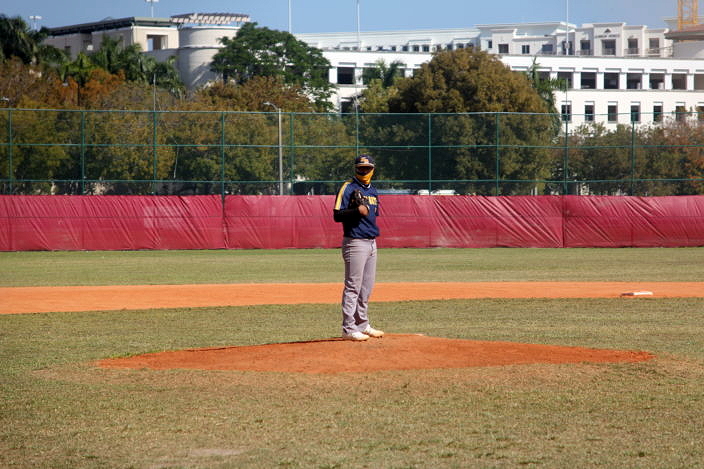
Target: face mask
{"x": 365, "y": 178}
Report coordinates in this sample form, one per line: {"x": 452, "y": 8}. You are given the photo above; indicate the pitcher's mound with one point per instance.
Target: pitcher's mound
{"x": 392, "y": 352}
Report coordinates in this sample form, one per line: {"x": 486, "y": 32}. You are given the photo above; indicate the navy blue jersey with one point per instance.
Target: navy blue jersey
{"x": 354, "y": 225}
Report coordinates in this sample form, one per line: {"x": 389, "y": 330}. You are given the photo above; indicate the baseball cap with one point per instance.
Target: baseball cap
{"x": 364, "y": 160}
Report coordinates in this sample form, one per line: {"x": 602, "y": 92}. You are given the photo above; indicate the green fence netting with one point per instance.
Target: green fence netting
{"x": 187, "y": 153}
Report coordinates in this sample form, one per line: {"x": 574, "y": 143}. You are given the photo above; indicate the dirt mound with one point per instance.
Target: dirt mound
{"x": 393, "y": 352}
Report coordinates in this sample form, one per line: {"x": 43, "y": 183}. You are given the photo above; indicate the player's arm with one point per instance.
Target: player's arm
{"x": 349, "y": 205}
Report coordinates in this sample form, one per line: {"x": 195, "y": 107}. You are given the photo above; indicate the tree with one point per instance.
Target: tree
{"x": 381, "y": 85}
{"x": 601, "y": 159}
{"x": 19, "y": 41}
{"x": 466, "y": 80}
{"x": 466, "y": 96}
{"x": 256, "y": 51}
{"x": 136, "y": 66}
{"x": 252, "y": 95}
{"x": 386, "y": 74}
{"x": 545, "y": 87}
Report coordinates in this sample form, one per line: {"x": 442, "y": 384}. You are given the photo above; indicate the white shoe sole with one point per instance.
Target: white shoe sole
{"x": 359, "y": 338}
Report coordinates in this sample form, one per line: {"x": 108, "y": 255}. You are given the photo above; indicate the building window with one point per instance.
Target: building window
{"x": 393, "y": 48}
{"x": 700, "y": 113}
{"x": 608, "y": 47}
{"x": 566, "y": 77}
{"x": 503, "y": 48}
{"x": 460, "y": 46}
{"x": 155, "y": 42}
{"x": 567, "y": 48}
{"x": 633, "y": 47}
{"x": 654, "y": 46}
{"x": 680, "y": 113}
{"x": 566, "y": 113}
{"x": 589, "y": 112}
{"x": 657, "y": 113}
{"x": 547, "y": 49}
{"x": 679, "y": 81}
{"x": 635, "y": 112}
{"x": 525, "y": 49}
{"x": 345, "y": 75}
{"x": 491, "y": 45}
{"x": 346, "y": 106}
{"x": 404, "y": 49}
{"x": 657, "y": 81}
{"x": 426, "y": 48}
{"x": 633, "y": 81}
{"x": 698, "y": 81}
{"x": 612, "y": 113}
{"x": 585, "y": 47}
{"x": 449, "y": 47}
{"x": 588, "y": 80}
{"x": 611, "y": 81}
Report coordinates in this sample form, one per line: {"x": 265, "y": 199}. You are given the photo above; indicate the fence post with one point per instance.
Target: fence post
{"x": 83, "y": 152}
{"x": 154, "y": 152}
{"x": 222, "y": 157}
{"x": 633, "y": 157}
{"x": 291, "y": 152}
{"x": 566, "y": 159}
{"x": 11, "y": 172}
{"x": 430, "y": 152}
{"x": 497, "y": 152}
{"x": 356, "y": 133}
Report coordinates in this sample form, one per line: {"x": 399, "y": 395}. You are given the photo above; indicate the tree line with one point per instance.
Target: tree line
{"x": 464, "y": 121}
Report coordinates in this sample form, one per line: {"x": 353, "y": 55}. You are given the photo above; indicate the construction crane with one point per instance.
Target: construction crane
{"x": 687, "y": 13}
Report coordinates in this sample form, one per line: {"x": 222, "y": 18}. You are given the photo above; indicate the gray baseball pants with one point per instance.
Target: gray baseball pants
{"x": 360, "y": 273}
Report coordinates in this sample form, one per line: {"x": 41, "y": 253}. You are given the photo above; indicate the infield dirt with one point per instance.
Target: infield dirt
{"x": 393, "y": 352}
{"x": 15, "y": 300}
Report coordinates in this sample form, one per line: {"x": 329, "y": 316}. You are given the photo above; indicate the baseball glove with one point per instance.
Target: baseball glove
{"x": 357, "y": 199}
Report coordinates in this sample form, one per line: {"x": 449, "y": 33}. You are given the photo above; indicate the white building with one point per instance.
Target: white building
{"x": 192, "y": 38}
{"x": 616, "y": 73}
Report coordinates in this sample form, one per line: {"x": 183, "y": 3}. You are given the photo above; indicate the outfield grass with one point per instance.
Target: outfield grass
{"x": 325, "y": 265}
{"x": 58, "y": 411}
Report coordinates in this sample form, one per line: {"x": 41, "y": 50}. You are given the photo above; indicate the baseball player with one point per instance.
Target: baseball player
{"x": 356, "y": 207}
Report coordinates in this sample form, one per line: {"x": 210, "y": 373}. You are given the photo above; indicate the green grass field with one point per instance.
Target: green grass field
{"x": 59, "y": 411}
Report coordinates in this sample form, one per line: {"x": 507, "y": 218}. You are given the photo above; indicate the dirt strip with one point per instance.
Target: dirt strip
{"x": 393, "y": 352}
{"x": 17, "y": 300}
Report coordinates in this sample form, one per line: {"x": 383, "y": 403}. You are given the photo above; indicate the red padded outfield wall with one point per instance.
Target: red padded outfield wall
{"x": 279, "y": 222}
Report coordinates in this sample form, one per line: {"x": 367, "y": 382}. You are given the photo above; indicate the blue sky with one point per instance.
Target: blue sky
{"x": 340, "y": 15}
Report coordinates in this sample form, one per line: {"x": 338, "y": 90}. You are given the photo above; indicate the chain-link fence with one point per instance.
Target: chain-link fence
{"x": 185, "y": 153}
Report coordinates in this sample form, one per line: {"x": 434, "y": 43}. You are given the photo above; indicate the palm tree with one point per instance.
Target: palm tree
{"x": 388, "y": 74}
{"x": 19, "y": 41}
{"x": 16, "y": 39}
{"x": 545, "y": 87}
{"x": 79, "y": 69}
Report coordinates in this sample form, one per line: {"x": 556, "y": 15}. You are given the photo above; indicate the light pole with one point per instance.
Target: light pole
{"x": 35, "y": 20}
{"x": 359, "y": 40}
{"x": 281, "y": 154}
{"x": 152, "y": 5}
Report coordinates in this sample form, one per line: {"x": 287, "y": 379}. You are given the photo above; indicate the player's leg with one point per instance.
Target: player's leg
{"x": 353, "y": 253}
{"x": 368, "y": 279}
